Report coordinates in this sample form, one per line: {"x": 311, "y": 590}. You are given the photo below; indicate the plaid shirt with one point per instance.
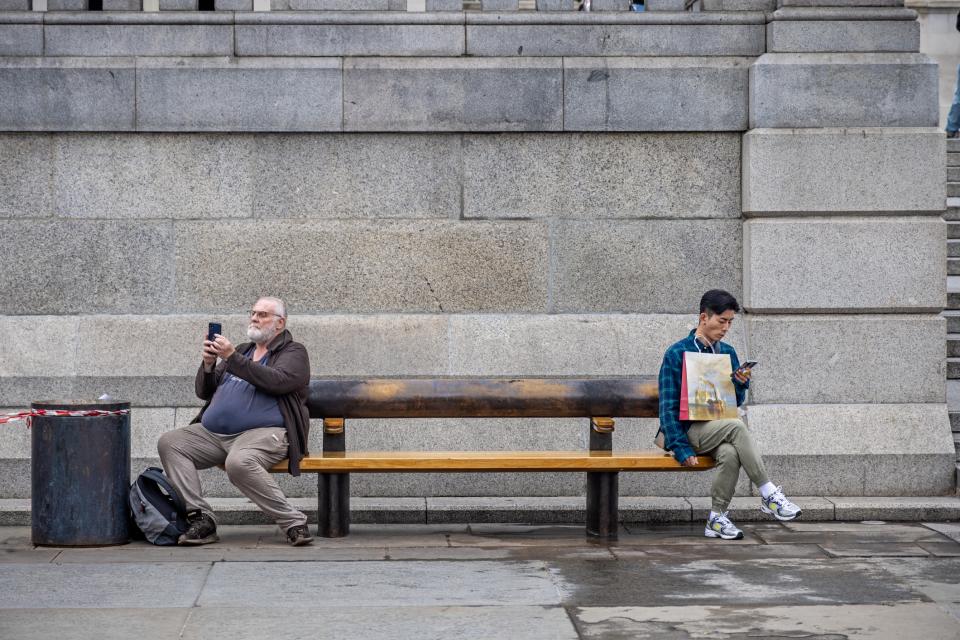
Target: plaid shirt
{"x": 671, "y": 372}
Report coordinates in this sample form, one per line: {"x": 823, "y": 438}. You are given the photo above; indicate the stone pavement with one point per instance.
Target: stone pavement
{"x": 827, "y": 580}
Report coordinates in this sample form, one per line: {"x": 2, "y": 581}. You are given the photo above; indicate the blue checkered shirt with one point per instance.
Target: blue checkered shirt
{"x": 671, "y": 373}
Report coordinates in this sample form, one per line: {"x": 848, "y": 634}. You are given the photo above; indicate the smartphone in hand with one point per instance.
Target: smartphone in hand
{"x": 213, "y": 329}
{"x": 749, "y": 364}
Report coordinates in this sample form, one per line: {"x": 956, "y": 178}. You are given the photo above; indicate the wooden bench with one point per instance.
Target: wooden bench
{"x": 599, "y": 399}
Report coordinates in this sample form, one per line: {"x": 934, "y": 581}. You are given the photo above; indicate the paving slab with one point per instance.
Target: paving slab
{"x": 109, "y": 585}
{"x": 949, "y": 529}
{"x": 846, "y": 533}
{"x": 385, "y": 584}
{"x": 695, "y": 581}
{"x": 716, "y": 550}
{"x": 938, "y": 581}
{"x": 875, "y": 550}
{"x": 500, "y": 535}
{"x": 898, "y": 508}
{"x": 101, "y": 624}
{"x": 27, "y": 556}
{"x": 423, "y": 623}
{"x": 941, "y": 549}
{"x": 913, "y": 620}
{"x": 675, "y": 534}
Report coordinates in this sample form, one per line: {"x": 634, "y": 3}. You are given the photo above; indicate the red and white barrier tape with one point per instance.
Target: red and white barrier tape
{"x": 27, "y": 416}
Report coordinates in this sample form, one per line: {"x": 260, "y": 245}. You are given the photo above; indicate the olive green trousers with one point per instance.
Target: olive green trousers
{"x": 730, "y": 444}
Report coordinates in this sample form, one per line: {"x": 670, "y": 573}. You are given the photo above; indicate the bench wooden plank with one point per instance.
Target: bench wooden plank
{"x": 428, "y": 461}
{"x": 624, "y": 397}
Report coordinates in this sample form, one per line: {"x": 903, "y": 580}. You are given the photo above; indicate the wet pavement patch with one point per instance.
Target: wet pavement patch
{"x": 649, "y": 582}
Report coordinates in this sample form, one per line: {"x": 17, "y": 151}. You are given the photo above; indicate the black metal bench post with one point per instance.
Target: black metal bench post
{"x": 602, "y": 486}
{"x": 333, "y": 489}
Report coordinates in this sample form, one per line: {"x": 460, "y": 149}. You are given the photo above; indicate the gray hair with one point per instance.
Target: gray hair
{"x": 278, "y": 303}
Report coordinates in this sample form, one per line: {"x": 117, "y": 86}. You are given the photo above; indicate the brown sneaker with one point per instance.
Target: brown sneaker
{"x": 201, "y": 530}
{"x": 299, "y": 535}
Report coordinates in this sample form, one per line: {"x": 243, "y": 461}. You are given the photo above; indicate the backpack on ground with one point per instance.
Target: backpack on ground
{"x": 158, "y": 510}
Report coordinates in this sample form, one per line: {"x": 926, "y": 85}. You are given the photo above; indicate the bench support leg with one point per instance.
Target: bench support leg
{"x": 602, "y": 505}
{"x": 603, "y": 518}
{"x": 333, "y": 489}
{"x": 333, "y": 508}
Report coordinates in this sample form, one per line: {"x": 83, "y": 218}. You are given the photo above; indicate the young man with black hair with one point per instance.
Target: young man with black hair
{"x": 728, "y": 441}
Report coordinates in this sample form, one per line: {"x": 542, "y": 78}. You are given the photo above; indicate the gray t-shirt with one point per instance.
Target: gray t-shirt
{"x": 239, "y": 406}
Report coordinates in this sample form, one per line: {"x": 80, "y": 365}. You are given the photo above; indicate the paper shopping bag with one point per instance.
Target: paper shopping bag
{"x": 706, "y": 387}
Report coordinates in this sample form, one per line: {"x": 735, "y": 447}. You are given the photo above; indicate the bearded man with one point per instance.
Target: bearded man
{"x": 255, "y": 416}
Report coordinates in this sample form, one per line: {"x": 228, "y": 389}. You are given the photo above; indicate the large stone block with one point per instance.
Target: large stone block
{"x": 629, "y": 266}
{"x": 567, "y": 344}
{"x": 95, "y": 267}
{"x": 66, "y": 94}
{"x": 739, "y": 5}
{"x": 583, "y": 35}
{"x": 43, "y": 346}
{"x": 14, "y": 5}
{"x": 21, "y": 40}
{"x": 338, "y": 345}
{"x": 843, "y": 90}
{"x": 26, "y": 176}
{"x": 453, "y": 94}
{"x": 655, "y": 94}
{"x": 357, "y": 176}
{"x": 841, "y": 3}
{"x": 830, "y": 264}
{"x": 856, "y": 449}
{"x": 838, "y": 170}
{"x": 336, "y": 5}
{"x": 834, "y": 359}
{"x": 351, "y": 35}
{"x": 139, "y": 39}
{"x": 601, "y": 176}
{"x": 824, "y": 30}
{"x": 359, "y": 266}
{"x": 130, "y": 176}
{"x": 239, "y": 94}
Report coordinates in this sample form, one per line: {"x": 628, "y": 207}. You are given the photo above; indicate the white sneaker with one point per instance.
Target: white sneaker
{"x": 719, "y": 526}
{"x": 777, "y": 505}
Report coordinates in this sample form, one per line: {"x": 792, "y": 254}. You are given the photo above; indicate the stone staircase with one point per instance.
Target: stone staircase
{"x": 952, "y": 312}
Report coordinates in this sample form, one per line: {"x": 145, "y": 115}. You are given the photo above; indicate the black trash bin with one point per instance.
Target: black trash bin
{"x": 80, "y": 475}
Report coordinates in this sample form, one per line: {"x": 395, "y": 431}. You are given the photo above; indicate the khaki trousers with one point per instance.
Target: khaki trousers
{"x": 246, "y": 458}
{"x": 730, "y": 444}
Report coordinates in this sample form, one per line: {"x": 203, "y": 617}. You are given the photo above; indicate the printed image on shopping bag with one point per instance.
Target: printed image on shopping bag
{"x": 709, "y": 390}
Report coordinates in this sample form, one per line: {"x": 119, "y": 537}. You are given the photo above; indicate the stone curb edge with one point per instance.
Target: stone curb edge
{"x": 568, "y": 510}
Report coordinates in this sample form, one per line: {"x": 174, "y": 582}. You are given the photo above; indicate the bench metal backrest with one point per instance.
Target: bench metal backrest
{"x": 626, "y": 397}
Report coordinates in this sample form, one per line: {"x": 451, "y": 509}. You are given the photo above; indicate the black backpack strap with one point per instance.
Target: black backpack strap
{"x": 155, "y": 475}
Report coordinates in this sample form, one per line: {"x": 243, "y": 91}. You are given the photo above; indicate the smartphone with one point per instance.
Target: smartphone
{"x": 749, "y": 364}
{"x": 213, "y": 328}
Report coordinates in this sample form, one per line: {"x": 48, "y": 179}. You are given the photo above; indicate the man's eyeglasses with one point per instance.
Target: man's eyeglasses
{"x": 262, "y": 315}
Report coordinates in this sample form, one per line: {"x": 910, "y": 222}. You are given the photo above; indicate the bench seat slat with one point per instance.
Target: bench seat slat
{"x": 428, "y": 461}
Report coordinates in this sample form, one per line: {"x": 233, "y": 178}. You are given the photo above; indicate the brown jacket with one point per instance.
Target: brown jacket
{"x": 287, "y": 376}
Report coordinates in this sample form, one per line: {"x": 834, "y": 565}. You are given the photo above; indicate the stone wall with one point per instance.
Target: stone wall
{"x": 486, "y": 194}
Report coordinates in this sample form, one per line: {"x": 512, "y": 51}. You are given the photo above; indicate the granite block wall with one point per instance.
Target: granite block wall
{"x": 519, "y": 194}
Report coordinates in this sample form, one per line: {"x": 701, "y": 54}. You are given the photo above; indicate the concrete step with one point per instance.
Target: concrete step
{"x": 953, "y": 145}
{"x": 953, "y": 324}
{"x": 953, "y": 300}
{"x": 953, "y": 266}
{"x": 953, "y": 189}
{"x": 953, "y": 230}
{"x": 953, "y": 346}
{"x": 953, "y": 174}
{"x": 569, "y": 510}
{"x": 953, "y": 159}
{"x": 954, "y": 416}
{"x": 953, "y": 248}
{"x": 953, "y": 209}
{"x": 953, "y": 368}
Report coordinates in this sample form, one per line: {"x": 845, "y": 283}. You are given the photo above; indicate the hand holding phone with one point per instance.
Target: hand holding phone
{"x": 742, "y": 374}
{"x": 209, "y": 354}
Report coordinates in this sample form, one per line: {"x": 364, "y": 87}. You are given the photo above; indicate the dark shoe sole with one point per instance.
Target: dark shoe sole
{"x": 301, "y": 542}
{"x": 195, "y": 542}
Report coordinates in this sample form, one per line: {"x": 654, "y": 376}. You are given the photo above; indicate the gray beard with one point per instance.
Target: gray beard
{"x": 260, "y": 336}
